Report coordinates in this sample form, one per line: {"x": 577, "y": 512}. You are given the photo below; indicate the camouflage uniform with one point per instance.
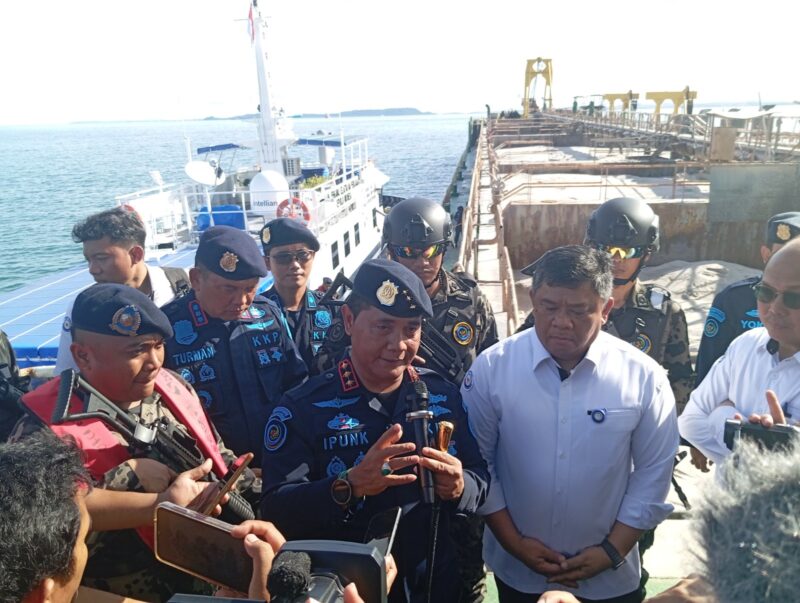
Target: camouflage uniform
{"x": 119, "y": 561}
{"x": 652, "y": 322}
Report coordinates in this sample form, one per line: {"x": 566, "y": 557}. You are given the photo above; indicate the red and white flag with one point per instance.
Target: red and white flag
{"x": 251, "y": 29}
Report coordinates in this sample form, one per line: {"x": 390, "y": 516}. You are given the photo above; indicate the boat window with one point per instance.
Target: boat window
{"x": 346, "y": 243}
{"x": 335, "y": 254}
{"x": 375, "y": 219}
{"x": 357, "y": 234}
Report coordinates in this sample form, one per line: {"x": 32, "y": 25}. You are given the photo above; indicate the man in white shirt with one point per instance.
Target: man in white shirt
{"x": 578, "y": 428}
{"x": 113, "y": 245}
{"x": 758, "y": 378}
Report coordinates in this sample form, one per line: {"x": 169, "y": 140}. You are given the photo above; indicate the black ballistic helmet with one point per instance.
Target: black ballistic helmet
{"x": 417, "y": 222}
{"x": 624, "y": 222}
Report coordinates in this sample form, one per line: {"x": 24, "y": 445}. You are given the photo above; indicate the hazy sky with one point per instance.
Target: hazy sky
{"x": 169, "y": 59}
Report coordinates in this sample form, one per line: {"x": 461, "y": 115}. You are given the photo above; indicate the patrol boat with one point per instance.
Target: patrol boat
{"x": 338, "y": 198}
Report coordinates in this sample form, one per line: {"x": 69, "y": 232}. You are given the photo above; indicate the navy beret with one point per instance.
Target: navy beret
{"x": 231, "y": 253}
{"x": 392, "y": 288}
{"x": 113, "y": 309}
{"x": 782, "y": 228}
{"x": 285, "y": 231}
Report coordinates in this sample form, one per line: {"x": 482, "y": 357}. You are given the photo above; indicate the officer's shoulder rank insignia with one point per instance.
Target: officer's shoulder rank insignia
{"x": 347, "y": 376}
{"x": 228, "y": 261}
{"x": 387, "y": 293}
{"x": 783, "y": 232}
{"x": 126, "y": 321}
{"x": 67, "y": 325}
{"x": 463, "y": 333}
{"x": 266, "y": 235}
{"x": 275, "y": 431}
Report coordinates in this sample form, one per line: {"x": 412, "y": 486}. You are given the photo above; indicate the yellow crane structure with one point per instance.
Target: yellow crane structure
{"x": 535, "y": 69}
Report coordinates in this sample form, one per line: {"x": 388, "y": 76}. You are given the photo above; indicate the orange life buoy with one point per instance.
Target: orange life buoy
{"x": 287, "y": 209}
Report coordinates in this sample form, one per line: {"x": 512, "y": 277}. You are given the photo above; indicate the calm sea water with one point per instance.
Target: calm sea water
{"x": 57, "y": 175}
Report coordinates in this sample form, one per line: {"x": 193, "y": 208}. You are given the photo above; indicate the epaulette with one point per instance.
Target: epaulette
{"x": 313, "y": 384}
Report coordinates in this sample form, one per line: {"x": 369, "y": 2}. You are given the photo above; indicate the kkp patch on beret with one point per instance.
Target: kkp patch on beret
{"x": 286, "y": 231}
{"x": 392, "y": 288}
{"x": 113, "y": 309}
{"x": 230, "y": 253}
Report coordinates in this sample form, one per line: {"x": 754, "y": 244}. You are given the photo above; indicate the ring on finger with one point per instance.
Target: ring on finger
{"x": 386, "y": 468}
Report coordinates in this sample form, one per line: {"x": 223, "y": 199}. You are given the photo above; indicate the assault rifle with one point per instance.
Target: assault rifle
{"x": 439, "y": 356}
{"x": 332, "y": 296}
{"x": 174, "y": 446}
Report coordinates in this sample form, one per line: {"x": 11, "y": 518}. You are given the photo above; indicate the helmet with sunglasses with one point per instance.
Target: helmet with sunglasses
{"x": 624, "y": 222}
{"x": 417, "y": 223}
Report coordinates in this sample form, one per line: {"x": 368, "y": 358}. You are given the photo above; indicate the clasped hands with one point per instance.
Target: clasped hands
{"x": 556, "y": 566}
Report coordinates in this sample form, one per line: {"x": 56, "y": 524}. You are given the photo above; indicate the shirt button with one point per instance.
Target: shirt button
{"x": 561, "y": 455}
{"x": 564, "y": 420}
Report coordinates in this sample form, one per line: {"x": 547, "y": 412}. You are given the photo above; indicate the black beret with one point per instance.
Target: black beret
{"x": 782, "y": 228}
{"x": 231, "y": 253}
{"x": 113, "y": 309}
{"x": 285, "y": 231}
{"x": 392, "y": 288}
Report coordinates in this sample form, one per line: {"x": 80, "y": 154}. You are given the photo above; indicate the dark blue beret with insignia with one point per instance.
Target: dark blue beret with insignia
{"x": 782, "y": 228}
{"x": 231, "y": 253}
{"x": 285, "y": 231}
{"x": 112, "y": 309}
{"x": 392, "y": 288}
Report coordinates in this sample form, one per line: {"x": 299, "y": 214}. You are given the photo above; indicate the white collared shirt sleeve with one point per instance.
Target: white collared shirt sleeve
{"x": 484, "y": 419}
{"x": 64, "y": 359}
{"x": 702, "y": 422}
{"x": 654, "y": 444}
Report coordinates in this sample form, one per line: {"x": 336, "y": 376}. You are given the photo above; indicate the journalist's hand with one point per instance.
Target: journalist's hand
{"x": 775, "y": 416}
{"x": 589, "y": 562}
{"x": 699, "y": 460}
{"x": 188, "y": 491}
{"x": 449, "y": 475}
{"x": 366, "y": 478}
{"x": 153, "y": 476}
{"x": 540, "y": 558}
{"x": 557, "y": 596}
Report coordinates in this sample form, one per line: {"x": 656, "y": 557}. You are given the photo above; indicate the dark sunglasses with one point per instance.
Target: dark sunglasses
{"x": 766, "y": 295}
{"x": 410, "y": 253}
{"x": 284, "y": 258}
{"x": 624, "y": 253}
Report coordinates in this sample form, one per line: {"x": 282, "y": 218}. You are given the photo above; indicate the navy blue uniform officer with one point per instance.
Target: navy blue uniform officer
{"x": 230, "y": 344}
{"x": 289, "y": 250}
{"x": 338, "y": 449}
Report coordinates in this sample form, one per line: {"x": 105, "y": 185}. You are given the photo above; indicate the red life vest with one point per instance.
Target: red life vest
{"x": 103, "y": 451}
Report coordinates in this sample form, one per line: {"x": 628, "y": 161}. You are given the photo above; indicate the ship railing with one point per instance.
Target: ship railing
{"x": 175, "y": 216}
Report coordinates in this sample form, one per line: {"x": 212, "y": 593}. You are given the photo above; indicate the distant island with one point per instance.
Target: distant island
{"x": 353, "y": 113}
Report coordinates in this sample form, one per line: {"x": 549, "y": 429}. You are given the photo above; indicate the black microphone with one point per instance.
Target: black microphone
{"x": 419, "y": 417}
{"x": 289, "y": 577}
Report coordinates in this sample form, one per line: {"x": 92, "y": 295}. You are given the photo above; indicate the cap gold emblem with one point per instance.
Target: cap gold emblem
{"x": 228, "y": 261}
{"x": 783, "y": 232}
{"x": 387, "y": 293}
{"x": 266, "y": 235}
{"x": 126, "y": 321}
